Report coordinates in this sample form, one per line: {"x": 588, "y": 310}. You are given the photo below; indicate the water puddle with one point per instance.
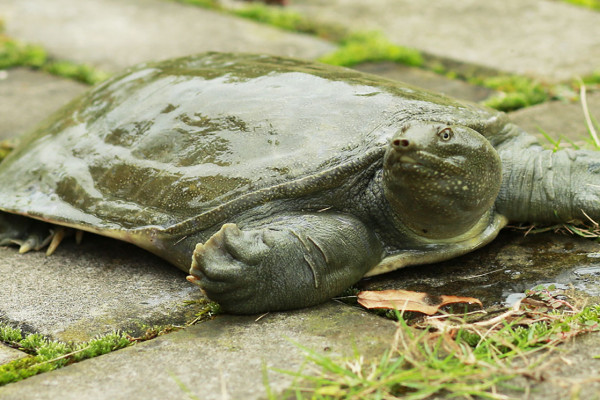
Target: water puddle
{"x": 500, "y": 273}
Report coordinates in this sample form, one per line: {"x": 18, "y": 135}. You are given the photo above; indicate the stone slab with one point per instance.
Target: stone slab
{"x": 94, "y": 288}
{"x": 559, "y": 119}
{"x": 546, "y": 39}
{"x": 571, "y": 372}
{"x": 428, "y": 80}
{"x": 27, "y": 97}
{"x": 113, "y": 34}
{"x": 8, "y": 354}
{"x": 222, "y": 359}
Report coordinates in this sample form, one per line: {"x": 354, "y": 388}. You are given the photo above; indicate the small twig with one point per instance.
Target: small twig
{"x": 529, "y": 230}
{"x": 484, "y": 274}
{"x": 590, "y": 218}
{"x": 65, "y": 355}
{"x": 261, "y": 317}
{"x": 586, "y": 113}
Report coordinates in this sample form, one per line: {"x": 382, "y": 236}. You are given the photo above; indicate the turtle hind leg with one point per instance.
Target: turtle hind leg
{"x": 24, "y": 232}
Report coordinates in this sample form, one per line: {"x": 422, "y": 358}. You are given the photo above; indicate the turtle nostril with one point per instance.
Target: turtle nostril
{"x": 401, "y": 143}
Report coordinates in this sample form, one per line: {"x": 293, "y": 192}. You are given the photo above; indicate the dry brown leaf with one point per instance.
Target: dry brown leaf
{"x": 405, "y": 300}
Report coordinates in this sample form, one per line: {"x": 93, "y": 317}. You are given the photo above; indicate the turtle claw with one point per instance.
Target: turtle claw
{"x": 27, "y": 245}
{"x": 57, "y": 236}
{"x": 193, "y": 279}
{"x": 78, "y": 236}
{"x": 34, "y": 241}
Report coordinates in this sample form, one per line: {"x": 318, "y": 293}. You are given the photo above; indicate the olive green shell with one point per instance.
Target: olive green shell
{"x": 169, "y": 142}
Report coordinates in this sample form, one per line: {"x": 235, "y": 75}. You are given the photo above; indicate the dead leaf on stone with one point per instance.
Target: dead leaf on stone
{"x": 405, "y": 300}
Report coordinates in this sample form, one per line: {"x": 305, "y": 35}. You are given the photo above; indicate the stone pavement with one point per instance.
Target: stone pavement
{"x": 115, "y": 34}
{"x": 549, "y": 40}
{"x": 38, "y": 93}
{"x": 103, "y": 285}
{"x": 223, "y": 359}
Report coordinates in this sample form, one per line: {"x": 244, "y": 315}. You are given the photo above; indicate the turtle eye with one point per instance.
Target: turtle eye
{"x": 446, "y": 134}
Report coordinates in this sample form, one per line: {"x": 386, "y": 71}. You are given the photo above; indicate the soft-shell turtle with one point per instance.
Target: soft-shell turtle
{"x": 278, "y": 183}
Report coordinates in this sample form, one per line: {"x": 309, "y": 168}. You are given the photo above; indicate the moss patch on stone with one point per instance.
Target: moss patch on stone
{"x": 591, "y": 4}
{"x": 290, "y": 21}
{"x": 47, "y": 355}
{"x": 6, "y": 147}
{"x": 371, "y": 46}
{"x": 80, "y": 72}
{"x": 275, "y": 16}
{"x": 14, "y": 53}
{"x": 515, "y": 92}
{"x": 210, "y": 4}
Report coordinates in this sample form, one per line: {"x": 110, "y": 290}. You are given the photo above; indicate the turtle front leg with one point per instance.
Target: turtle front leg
{"x": 550, "y": 187}
{"x": 295, "y": 262}
{"x": 24, "y": 232}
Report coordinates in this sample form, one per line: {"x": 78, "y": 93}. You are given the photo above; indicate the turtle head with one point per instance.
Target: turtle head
{"x": 440, "y": 179}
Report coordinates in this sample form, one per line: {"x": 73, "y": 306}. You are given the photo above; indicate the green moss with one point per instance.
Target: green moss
{"x": 14, "y": 53}
{"x": 205, "y": 310}
{"x": 9, "y": 335}
{"x": 592, "y": 4}
{"x": 289, "y": 20}
{"x": 79, "y": 72}
{"x": 47, "y": 355}
{"x": 515, "y": 92}
{"x": 593, "y": 79}
{"x": 210, "y": 4}
{"x": 17, "y": 54}
{"x": 371, "y": 46}
{"x": 275, "y": 16}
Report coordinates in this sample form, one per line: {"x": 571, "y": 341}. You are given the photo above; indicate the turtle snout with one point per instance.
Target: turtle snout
{"x": 402, "y": 144}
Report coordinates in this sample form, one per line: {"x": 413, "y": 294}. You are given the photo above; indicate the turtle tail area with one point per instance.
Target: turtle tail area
{"x": 29, "y": 234}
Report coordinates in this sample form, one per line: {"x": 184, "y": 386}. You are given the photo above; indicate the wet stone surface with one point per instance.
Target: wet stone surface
{"x": 8, "y": 354}
{"x": 94, "y": 288}
{"x": 27, "y": 97}
{"x": 550, "y": 40}
{"x": 226, "y": 358}
{"x": 115, "y": 34}
{"x": 559, "y": 119}
{"x": 428, "y": 80}
{"x": 501, "y": 272}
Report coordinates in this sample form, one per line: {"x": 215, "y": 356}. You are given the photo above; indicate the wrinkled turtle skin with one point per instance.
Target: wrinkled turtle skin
{"x": 278, "y": 183}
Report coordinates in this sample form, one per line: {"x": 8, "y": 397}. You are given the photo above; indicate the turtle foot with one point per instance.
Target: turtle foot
{"x": 25, "y": 232}
{"x": 226, "y": 265}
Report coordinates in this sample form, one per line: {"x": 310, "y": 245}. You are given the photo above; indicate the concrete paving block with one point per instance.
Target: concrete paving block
{"x": 570, "y": 372}
{"x": 221, "y": 359}
{"x": 27, "y": 97}
{"x": 97, "y": 287}
{"x": 8, "y": 354}
{"x": 558, "y": 119}
{"x": 546, "y": 39}
{"x": 113, "y": 34}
